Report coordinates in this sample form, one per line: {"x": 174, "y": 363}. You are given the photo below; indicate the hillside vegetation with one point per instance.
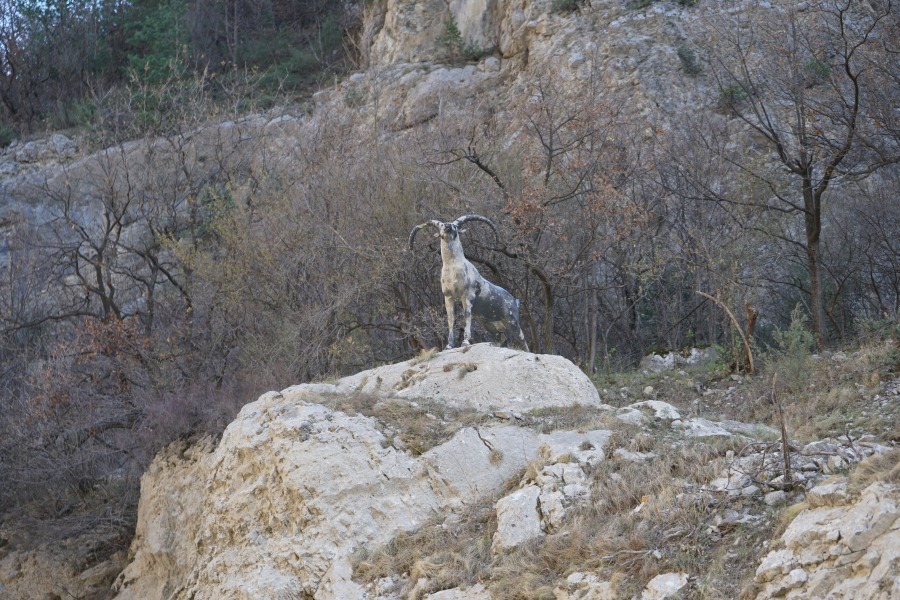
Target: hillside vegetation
{"x": 199, "y": 202}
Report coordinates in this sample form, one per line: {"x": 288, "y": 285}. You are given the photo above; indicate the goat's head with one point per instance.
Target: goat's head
{"x": 450, "y": 231}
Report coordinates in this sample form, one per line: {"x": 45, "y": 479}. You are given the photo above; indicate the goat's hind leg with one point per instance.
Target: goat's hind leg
{"x": 498, "y": 338}
{"x": 450, "y": 305}
{"x": 521, "y": 338}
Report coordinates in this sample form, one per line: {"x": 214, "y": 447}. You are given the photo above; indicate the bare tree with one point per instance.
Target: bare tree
{"x": 802, "y": 79}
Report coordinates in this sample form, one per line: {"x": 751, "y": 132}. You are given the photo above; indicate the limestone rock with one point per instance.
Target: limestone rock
{"x": 585, "y": 586}
{"x": 168, "y": 512}
{"x": 732, "y": 483}
{"x": 553, "y": 511}
{"x": 477, "y": 21}
{"x": 751, "y": 430}
{"x": 841, "y": 548}
{"x": 586, "y": 448}
{"x": 518, "y": 519}
{"x": 406, "y": 31}
{"x": 775, "y": 564}
{"x": 828, "y": 494}
{"x": 337, "y": 584}
{"x": 57, "y": 147}
{"x": 630, "y": 415}
{"x": 699, "y": 427}
{"x": 623, "y": 454}
{"x": 562, "y": 485}
{"x": 481, "y": 377}
{"x": 776, "y": 498}
{"x": 476, "y": 592}
{"x": 665, "y": 585}
{"x": 478, "y": 461}
{"x": 750, "y": 490}
{"x": 659, "y": 409}
{"x": 701, "y": 356}
{"x": 290, "y": 489}
{"x": 293, "y": 488}
{"x": 657, "y": 363}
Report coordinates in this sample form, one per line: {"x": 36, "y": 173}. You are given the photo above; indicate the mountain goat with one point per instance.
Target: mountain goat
{"x": 462, "y": 284}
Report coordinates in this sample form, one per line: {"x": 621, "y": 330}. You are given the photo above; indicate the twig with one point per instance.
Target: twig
{"x": 620, "y": 552}
{"x": 786, "y": 454}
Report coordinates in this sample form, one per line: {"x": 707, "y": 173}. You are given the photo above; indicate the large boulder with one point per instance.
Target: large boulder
{"x": 480, "y": 377}
{"x": 294, "y": 488}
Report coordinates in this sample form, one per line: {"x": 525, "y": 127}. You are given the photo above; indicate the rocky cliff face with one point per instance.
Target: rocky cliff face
{"x": 628, "y": 54}
{"x": 627, "y": 58}
{"x": 630, "y": 57}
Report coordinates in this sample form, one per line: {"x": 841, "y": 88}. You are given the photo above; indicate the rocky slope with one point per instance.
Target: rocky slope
{"x": 283, "y": 505}
{"x": 500, "y": 458}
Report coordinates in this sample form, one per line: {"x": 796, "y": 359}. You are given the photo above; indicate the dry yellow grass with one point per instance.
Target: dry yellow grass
{"x": 420, "y": 425}
{"x": 878, "y": 467}
{"x": 448, "y": 554}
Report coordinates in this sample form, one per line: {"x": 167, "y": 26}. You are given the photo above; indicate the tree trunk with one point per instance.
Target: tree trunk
{"x": 592, "y": 329}
{"x": 548, "y": 317}
{"x": 817, "y": 294}
{"x": 813, "y": 222}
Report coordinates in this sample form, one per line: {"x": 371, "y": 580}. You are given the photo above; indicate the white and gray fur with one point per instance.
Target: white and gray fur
{"x": 461, "y": 283}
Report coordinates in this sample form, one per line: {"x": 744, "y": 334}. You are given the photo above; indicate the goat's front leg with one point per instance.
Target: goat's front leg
{"x": 467, "y": 310}
{"x": 450, "y": 305}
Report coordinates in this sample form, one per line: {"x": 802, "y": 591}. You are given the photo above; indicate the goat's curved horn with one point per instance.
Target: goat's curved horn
{"x": 465, "y": 218}
{"x": 415, "y": 230}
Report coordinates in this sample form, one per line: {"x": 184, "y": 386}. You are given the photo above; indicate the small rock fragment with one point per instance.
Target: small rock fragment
{"x": 664, "y": 586}
{"x": 776, "y": 498}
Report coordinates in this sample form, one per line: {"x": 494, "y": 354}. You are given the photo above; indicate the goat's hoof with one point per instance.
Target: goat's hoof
{"x": 448, "y": 347}
{"x": 466, "y": 343}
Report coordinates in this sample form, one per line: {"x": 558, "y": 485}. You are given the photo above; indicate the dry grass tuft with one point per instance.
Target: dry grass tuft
{"x": 575, "y": 417}
{"x": 420, "y": 425}
{"x": 878, "y": 467}
{"x": 841, "y": 393}
{"x": 424, "y": 355}
{"x": 465, "y": 369}
{"x": 448, "y": 554}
